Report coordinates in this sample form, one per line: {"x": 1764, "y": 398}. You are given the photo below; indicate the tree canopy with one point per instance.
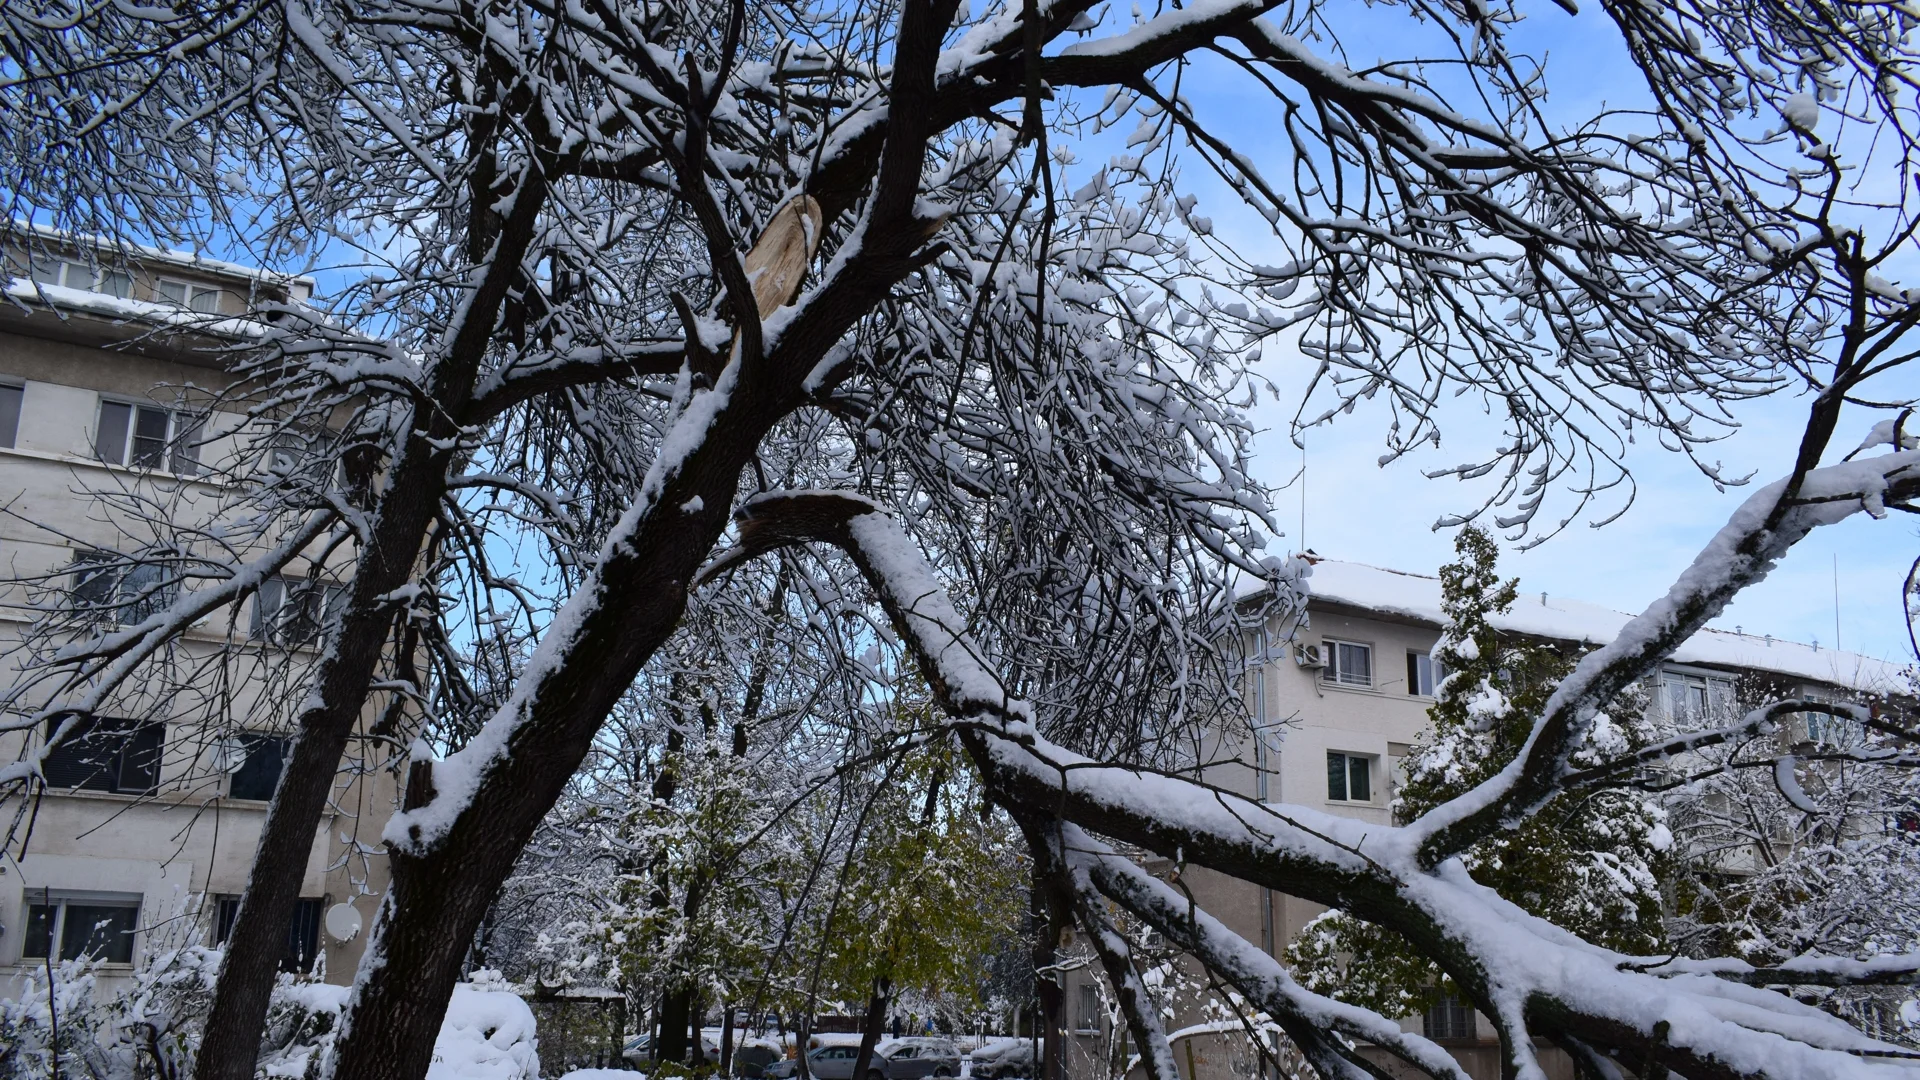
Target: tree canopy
{"x": 827, "y": 331}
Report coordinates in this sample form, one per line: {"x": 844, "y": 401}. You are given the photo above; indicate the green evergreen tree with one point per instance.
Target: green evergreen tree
{"x": 1591, "y": 863}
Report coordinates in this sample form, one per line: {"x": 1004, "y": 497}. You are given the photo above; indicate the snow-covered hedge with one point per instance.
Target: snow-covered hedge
{"x": 151, "y": 1028}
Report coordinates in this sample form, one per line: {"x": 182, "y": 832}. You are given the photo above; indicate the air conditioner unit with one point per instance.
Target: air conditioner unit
{"x": 1309, "y": 656}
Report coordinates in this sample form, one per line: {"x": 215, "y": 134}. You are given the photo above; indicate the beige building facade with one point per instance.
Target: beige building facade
{"x": 120, "y": 423}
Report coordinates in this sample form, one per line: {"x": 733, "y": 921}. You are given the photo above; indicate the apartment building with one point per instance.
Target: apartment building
{"x": 1343, "y": 696}
{"x": 119, "y": 415}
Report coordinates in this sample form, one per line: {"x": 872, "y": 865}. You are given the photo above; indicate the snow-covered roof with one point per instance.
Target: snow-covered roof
{"x": 149, "y": 253}
{"x": 122, "y": 308}
{"x": 1416, "y": 597}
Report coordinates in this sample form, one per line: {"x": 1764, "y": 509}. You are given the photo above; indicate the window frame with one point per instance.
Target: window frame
{"x": 1455, "y": 1015}
{"x": 1435, "y": 673}
{"x": 189, "y": 292}
{"x": 257, "y": 744}
{"x": 56, "y": 932}
{"x": 113, "y": 588}
{"x": 1090, "y": 1020}
{"x": 85, "y": 749}
{"x": 10, "y": 413}
{"x": 271, "y": 626}
{"x": 1715, "y": 694}
{"x": 1334, "y": 674}
{"x": 179, "y": 450}
{"x": 1349, "y": 759}
{"x": 303, "y": 933}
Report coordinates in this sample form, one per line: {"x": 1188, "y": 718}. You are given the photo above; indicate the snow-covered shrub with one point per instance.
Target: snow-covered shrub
{"x": 488, "y": 1033}
{"x": 148, "y": 1029}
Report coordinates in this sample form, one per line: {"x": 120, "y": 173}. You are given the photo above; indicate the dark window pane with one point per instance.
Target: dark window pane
{"x": 96, "y": 583}
{"x": 303, "y": 937}
{"x": 116, "y": 283}
{"x": 10, "y": 414}
{"x": 98, "y": 930}
{"x": 1336, "y": 776}
{"x": 266, "y": 605}
{"x": 110, "y": 442}
{"x": 1414, "y": 666}
{"x": 185, "y": 458}
{"x": 260, "y": 773}
{"x": 144, "y": 591}
{"x": 224, "y": 914}
{"x": 39, "y": 930}
{"x": 1358, "y": 788}
{"x": 149, "y": 438}
{"x": 140, "y": 760}
{"x": 85, "y": 758}
{"x": 1449, "y": 1018}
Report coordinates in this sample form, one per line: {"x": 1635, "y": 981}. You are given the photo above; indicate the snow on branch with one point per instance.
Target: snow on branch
{"x": 1532, "y": 977}
{"x": 1307, "y": 1017}
{"x": 1116, "y": 956}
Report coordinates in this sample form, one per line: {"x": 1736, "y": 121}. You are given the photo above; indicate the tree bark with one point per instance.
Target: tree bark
{"x": 402, "y": 515}
{"x": 675, "y": 1008}
{"x": 871, "y": 1027}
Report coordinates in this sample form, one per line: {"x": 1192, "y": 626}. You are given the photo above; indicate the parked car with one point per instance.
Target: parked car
{"x": 823, "y": 1063}
{"x": 1002, "y": 1059}
{"x": 914, "y": 1059}
{"x": 753, "y": 1057}
{"x": 894, "y": 1059}
{"x": 639, "y": 1050}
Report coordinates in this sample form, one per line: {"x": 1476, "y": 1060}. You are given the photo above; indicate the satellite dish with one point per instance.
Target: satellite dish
{"x": 343, "y": 923}
{"x": 230, "y": 754}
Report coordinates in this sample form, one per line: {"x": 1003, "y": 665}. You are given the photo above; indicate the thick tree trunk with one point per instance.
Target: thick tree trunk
{"x": 441, "y": 882}
{"x": 675, "y": 1008}
{"x": 1050, "y": 921}
{"x": 726, "y": 1041}
{"x": 870, "y": 1028}
{"x": 404, "y": 511}
{"x": 441, "y": 887}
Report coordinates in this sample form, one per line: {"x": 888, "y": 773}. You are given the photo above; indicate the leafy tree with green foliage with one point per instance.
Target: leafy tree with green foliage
{"x": 934, "y": 887}
{"x": 1591, "y": 863}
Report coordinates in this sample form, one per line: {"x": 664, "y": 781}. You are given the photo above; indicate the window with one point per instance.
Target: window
{"x": 10, "y": 413}
{"x": 108, "y": 587}
{"x": 1695, "y": 698}
{"x": 147, "y": 437}
{"x": 105, "y": 753}
{"x": 1448, "y": 1018}
{"x": 294, "y": 611}
{"x": 1349, "y": 777}
{"x": 1424, "y": 673}
{"x": 298, "y": 453}
{"x": 187, "y": 295}
{"x": 1821, "y": 727}
{"x": 259, "y": 771}
{"x": 1089, "y": 1007}
{"x": 1348, "y": 663}
{"x": 81, "y": 924}
{"x": 73, "y": 275}
{"x": 303, "y": 933}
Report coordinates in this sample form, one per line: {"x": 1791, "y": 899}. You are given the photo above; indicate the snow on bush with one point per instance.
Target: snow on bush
{"x": 151, "y": 1028}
